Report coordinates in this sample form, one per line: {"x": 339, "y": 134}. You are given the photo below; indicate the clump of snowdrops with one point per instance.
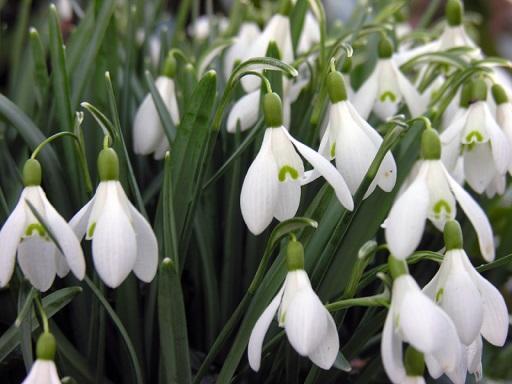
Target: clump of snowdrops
{"x": 256, "y": 196}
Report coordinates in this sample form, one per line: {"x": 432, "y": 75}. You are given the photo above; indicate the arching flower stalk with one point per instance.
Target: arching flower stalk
{"x": 23, "y": 234}
{"x": 309, "y": 326}
{"x": 433, "y": 195}
{"x": 122, "y": 239}
{"x": 272, "y": 185}
{"x": 148, "y": 133}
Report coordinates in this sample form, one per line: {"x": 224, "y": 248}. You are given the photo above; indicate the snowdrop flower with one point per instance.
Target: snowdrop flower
{"x": 386, "y": 87}
{"x": 248, "y": 32}
{"x": 272, "y": 185}
{"x": 475, "y": 306}
{"x": 122, "y": 239}
{"x": 23, "y": 234}
{"x": 433, "y": 195}
{"x": 415, "y": 319}
{"x": 278, "y": 31}
{"x": 476, "y": 134}
{"x": 353, "y": 142}
{"x": 202, "y": 26}
{"x": 148, "y": 133}
{"x": 503, "y": 113}
{"x": 309, "y": 327}
{"x": 44, "y": 370}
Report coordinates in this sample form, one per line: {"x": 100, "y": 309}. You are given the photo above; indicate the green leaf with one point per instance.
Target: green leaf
{"x": 52, "y": 304}
{"x": 342, "y": 363}
{"x": 297, "y": 22}
{"x": 120, "y": 327}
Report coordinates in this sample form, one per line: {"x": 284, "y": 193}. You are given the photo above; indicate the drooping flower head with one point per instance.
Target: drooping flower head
{"x": 39, "y": 258}
{"x": 44, "y": 370}
{"x": 477, "y": 136}
{"x": 122, "y": 239}
{"x": 309, "y": 326}
{"x": 272, "y": 185}
{"x": 433, "y": 195}
{"x": 416, "y": 320}
{"x": 353, "y": 142}
{"x": 475, "y": 306}
{"x": 148, "y": 133}
{"x": 386, "y": 87}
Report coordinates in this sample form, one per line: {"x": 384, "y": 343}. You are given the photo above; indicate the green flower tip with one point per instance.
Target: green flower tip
{"x": 169, "y": 69}
{"x": 385, "y": 48}
{"x": 294, "y": 255}
{"x": 272, "y": 110}
{"x": 336, "y": 87}
{"x": 414, "y": 362}
{"x": 499, "y": 94}
{"x": 32, "y": 174}
{"x": 430, "y": 145}
{"x": 346, "y": 67}
{"x": 453, "y": 235}
{"x": 479, "y": 90}
{"x": 454, "y": 11}
{"x": 46, "y": 346}
{"x": 397, "y": 267}
{"x": 108, "y": 165}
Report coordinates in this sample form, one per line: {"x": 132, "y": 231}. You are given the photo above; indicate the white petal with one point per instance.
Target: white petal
{"x": 475, "y": 126}
{"x": 501, "y": 148}
{"x": 305, "y": 323}
{"x": 442, "y": 206}
{"x": 477, "y": 217}
{"x": 460, "y": 298}
{"x": 162, "y": 148}
{"x": 147, "y": 128}
{"x": 474, "y": 356}
{"x": 259, "y": 331}
{"x": 391, "y": 351}
{"x": 81, "y": 218}
{"x": 10, "y": 236}
{"x": 36, "y": 258}
{"x": 365, "y": 97}
{"x": 289, "y": 164}
{"x": 246, "y": 110}
{"x": 146, "y": 263}
{"x": 98, "y": 207}
{"x": 325, "y": 354}
{"x": 496, "y": 319}
{"x": 42, "y": 372}
{"x": 295, "y": 281}
{"x": 406, "y": 220}
{"x": 260, "y": 189}
{"x": 450, "y": 152}
{"x": 389, "y": 94}
{"x": 114, "y": 247}
{"x": 416, "y": 103}
{"x": 479, "y": 168}
{"x": 288, "y": 200}
{"x": 327, "y": 170}
{"x": 67, "y": 240}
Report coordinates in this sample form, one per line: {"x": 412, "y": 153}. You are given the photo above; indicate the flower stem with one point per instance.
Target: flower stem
{"x": 380, "y": 300}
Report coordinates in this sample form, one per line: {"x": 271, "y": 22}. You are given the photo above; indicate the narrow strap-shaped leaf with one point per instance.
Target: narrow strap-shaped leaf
{"x": 52, "y": 304}
{"x": 297, "y": 22}
{"x": 163, "y": 112}
{"x": 120, "y": 327}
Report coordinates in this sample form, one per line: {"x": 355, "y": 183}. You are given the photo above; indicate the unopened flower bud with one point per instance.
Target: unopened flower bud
{"x": 32, "y": 173}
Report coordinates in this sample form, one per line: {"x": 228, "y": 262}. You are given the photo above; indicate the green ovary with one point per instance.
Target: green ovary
{"x": 388, "y": 95}
{"x": 35, "y": 227}
{"x": 286, "y": 169}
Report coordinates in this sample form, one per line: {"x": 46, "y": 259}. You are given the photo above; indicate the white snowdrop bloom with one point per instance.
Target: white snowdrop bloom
{"x": 23, "y": 234}
{"x": 148, "y": 133}
{"x": 503, "y": 113}
{"x": 309, "y": 326}
{"x": 310, "y": 34}
{"x": 248, "y": 32}
{"x": 353, "y": 142}
{"x": 44, "y": 371}
{"x": 122, "y": 239}
{"x": 386, "y": 87}
{"x": 272, "y": 185}
{"x": 416, "y": 320}
{"x": 476, "y": 134}
{"x": 278, "y": 31}
{"x": 433, "y": 195}
{"x": 64, "y": 9}
{"x": 201, "y": 28}
{"x": 475, "y": 306}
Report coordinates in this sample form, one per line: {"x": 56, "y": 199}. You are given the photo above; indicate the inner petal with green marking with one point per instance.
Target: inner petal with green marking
{"x": 90, "y": 230}
{"x": 388, "y": 95}
{"x": 442, "y": 209}
{"x": 439, "y": 295}
{"x": 288, "y": 169}
{"x": 474, "y": 137}
{"x": 333, "y": 149}
{"x": 35, "y": 227}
